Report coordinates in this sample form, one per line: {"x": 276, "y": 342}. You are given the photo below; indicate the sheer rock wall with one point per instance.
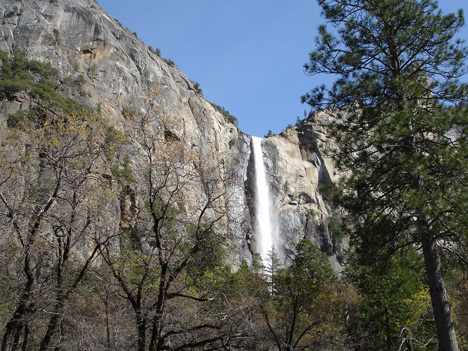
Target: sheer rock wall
{"x": 118, "y": 74}
{"x": 301, "y": 170}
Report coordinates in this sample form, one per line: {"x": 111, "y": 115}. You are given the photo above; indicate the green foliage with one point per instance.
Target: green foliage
{"x": 232, "y": 143}
{"x": 295, "y": 315}
{"x": 122, "y": 173}
{"x": 140, "y": 270}
{"x": 69, "y": 81}
{"x": 113, "y": 138}
{"x": 156, "y": 51}
{"x": 207, "y": 270}
{"x": 229, "y": 118}
{"x": 257, "y": 264}
{"x": 311, "y": 265}
{"x": 167, "y": 212}
{"x": 75, "y": 65}
{"x": 128, "y": 112}
{"x": 244, "y": 284}
{"x": 169, "y": 62}
{"x": 338, "y": 229}
{"x": 459, "y": 292}
{"x": 401, "y": 132}
{"x": 272, "y": 269}
{"x": 93, "y": 70}
{"x": 197, "y": 88}
{"x": 75, "y": 83}
{"x": 57, "y": 40}
{"x": 38, "y": 80}
{"x": 387, "y": 46}
{"x": 394, "y": 298}
{"x": 273, "y": 264}
{"x": 17, "y": 74}
{"x": 80, "y": 80}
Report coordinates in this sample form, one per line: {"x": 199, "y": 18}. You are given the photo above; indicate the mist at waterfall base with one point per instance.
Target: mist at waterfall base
{"x": 266, "y": 226}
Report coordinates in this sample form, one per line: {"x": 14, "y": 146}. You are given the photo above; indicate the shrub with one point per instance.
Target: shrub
{"x": 56, "y": 40}
{"x": 170, "y": 62}
{"x": 227, "y": 116}
{"x": 128, "y": 112}
{"x": 197, "y": 88}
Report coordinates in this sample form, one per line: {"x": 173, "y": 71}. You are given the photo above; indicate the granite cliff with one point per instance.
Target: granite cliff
{"x": 116, "y": 73}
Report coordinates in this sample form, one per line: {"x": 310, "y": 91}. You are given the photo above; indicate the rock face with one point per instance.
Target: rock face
{"x": 120, "y": 76}
{"x": 300, "y": 168}
{"x": 117, "y": 70}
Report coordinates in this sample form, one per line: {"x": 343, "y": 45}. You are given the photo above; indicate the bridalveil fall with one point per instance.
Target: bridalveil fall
{"x": 266, "y": 226}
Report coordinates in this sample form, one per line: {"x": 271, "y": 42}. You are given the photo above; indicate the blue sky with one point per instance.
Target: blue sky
{"x": 247, "y": 55}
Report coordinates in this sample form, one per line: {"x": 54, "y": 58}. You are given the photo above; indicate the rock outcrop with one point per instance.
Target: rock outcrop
{"x": 117, "y": 74}
{"x": 301, "y": 171}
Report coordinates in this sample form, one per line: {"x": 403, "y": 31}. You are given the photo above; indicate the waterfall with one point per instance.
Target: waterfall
{"x": 266, "y": 230}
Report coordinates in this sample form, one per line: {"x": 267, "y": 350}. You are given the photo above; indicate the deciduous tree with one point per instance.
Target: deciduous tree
{"x": 172, "y": 228}
{"x": 51, "y": 204}
{"x": 295, "y": 314}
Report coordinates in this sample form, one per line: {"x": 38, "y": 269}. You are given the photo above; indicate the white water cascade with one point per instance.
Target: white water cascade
{"x": 266, "y": 230}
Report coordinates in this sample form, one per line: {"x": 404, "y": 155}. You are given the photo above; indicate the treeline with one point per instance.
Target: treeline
{"x": 227, "y": 115}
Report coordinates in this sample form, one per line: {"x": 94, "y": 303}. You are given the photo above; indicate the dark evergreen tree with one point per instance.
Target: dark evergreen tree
{"x": 401, "y": 130}
{"x": 395, "y": 307}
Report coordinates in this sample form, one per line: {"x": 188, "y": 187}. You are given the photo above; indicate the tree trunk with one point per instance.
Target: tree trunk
{"x": 156, "y": 343}
{"x": 388, "y": 337}
{"x": 15, "y": 325}
{"x": 440, "y": 303}
{"x": 108, "y": 334}
{"x": 13, "y": 329}
{"x": 141, "y": 327}
{"x": 53, "y": 324}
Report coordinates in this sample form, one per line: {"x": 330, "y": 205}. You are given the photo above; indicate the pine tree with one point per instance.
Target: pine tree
{"x": 401, "y": 131}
